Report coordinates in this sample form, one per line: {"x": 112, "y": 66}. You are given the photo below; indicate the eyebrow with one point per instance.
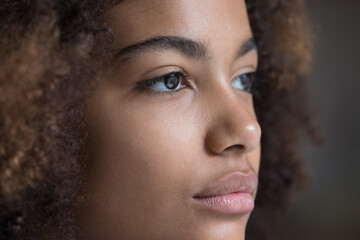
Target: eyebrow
{"x": 246, "y": 47}
{"x": 185, "y": 46}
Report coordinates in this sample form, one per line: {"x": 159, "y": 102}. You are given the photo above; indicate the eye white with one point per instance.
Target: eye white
{"x": 160, "y": 86}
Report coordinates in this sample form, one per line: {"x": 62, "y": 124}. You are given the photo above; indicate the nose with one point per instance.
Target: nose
{"x": 233, "y": 126}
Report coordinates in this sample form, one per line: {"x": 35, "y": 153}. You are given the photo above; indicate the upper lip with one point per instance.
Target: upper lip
{"x": 231, "y": 183}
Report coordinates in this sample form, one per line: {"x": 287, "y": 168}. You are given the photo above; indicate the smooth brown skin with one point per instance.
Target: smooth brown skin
{"x": 150, "y": 154}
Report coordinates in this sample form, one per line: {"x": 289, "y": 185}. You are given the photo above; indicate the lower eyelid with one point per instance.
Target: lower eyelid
{"x": 159, "y": 92}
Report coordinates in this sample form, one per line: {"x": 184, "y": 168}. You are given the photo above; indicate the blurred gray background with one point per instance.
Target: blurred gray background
{"x": 330, "y": 209}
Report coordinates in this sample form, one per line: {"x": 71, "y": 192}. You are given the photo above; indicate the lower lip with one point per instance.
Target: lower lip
{"x": 232, "y": 203}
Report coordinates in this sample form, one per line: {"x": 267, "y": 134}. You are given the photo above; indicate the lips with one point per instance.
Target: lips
{"x": 237, "y": 182}
{"x": 231, "y": 194}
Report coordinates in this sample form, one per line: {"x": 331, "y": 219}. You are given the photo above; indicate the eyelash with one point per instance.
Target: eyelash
{"x": 146, "y": 85}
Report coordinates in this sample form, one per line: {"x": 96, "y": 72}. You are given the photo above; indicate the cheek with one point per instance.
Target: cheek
{"x": 139, "y": 162}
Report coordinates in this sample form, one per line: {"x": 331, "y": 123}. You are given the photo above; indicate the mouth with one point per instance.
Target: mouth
{"x": 232, "y": 194}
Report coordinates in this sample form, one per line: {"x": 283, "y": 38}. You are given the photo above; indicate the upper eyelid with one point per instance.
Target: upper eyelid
{"x": 169, "y": 69}
{"x": 242, "y": 71}
{"x": 165, "y": 74}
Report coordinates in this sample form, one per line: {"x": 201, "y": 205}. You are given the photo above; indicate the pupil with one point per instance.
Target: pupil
{"x": 245, "y": 81}
{"x": 172, "y": 81}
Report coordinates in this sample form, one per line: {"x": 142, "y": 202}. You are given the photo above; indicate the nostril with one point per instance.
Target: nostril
{"x": 235, "y": 147}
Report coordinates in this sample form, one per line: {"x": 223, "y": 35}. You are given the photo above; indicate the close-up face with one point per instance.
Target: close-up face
{"x": 173, "y": 140}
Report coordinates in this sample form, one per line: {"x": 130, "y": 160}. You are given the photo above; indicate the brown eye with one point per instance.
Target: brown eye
{"x": 172, "y": 81}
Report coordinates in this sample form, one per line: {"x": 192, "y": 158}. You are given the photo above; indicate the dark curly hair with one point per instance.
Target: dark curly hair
{"x": 51, "y": 54}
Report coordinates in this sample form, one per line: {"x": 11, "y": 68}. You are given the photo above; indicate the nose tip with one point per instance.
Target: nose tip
{"x": 252, "y": 140}
{"x": 235, "y": 129}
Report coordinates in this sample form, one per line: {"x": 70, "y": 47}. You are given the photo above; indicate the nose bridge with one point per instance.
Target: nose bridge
{"x": 234, "y": 124}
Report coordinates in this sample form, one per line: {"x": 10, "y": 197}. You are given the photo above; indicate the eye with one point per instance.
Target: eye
{"x": 244, "y": 82}
{"x": 170, "y": 82}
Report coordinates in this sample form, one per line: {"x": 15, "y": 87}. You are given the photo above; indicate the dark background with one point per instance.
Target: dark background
{"x": 330, "y": 209}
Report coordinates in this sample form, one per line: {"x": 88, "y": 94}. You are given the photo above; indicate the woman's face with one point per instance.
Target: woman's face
{"x": 174, "y": 157}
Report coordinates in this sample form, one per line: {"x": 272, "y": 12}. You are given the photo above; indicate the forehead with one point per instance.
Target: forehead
{"x": 204, "y": 20}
